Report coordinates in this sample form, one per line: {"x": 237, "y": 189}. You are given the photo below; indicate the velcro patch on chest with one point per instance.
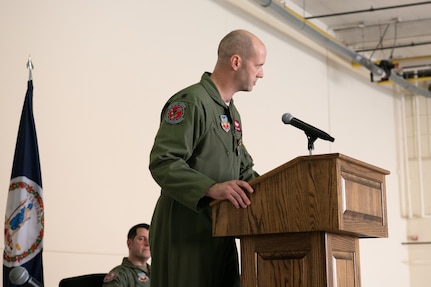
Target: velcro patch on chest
{"x": 224, "y": 122}
{"x": 143, "y": 277}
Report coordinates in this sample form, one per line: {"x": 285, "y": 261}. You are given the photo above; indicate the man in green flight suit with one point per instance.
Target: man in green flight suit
{"x": 198, "y": 156}
{"x": 134, "y": 270}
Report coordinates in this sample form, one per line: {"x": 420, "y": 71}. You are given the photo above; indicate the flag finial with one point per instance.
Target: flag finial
{"x": 30, "y": 68}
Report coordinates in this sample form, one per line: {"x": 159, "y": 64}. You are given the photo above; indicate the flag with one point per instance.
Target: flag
{"x": 24, "y": 219}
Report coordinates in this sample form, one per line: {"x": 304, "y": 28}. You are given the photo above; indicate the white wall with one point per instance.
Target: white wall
{"x": 103, "y": 70}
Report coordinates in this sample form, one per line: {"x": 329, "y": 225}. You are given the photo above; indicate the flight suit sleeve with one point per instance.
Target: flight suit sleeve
{"x": 115, "y": 279}
{"x": 247, "y": 172}
{"x": 181, "y": 127}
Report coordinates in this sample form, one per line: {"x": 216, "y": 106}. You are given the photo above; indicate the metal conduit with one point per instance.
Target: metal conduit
{"x": 314, "y": 33}
{"x": 368, "y": 10}
{"x": 395, "y": 46}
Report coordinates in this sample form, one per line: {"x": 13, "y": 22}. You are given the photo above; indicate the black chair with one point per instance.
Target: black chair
{"x": 86, "y": 280}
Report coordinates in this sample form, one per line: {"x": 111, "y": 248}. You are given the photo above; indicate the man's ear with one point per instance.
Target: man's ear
{"x": 235, "y": 62}
{"x": 129, "y": 243}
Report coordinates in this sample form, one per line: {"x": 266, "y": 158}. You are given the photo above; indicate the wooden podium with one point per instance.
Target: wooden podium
{"x": 303, "y": 226}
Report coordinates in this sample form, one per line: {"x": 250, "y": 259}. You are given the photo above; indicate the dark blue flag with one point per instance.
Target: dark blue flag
{"x": 24, "y": 220}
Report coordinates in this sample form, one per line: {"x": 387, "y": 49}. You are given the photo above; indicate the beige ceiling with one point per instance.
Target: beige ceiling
{"x": 397, "y": 30}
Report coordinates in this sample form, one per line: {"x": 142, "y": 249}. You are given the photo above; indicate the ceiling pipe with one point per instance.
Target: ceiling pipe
{"x": 372, "y": 9}
{"x": 412, "y": 44}
{"x": 320, "y": 37}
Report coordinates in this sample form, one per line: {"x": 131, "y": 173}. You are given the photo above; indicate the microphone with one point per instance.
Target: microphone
{"x": 308, "y": 129}
{"x": 19, "y": 276}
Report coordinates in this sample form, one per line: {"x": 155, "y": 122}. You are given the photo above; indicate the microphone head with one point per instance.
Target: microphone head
{"x": 19, "y": 275}
{"x": 286, "y": 118}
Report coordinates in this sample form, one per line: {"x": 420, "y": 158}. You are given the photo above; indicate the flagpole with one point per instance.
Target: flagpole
{"x": 30, "y": 68}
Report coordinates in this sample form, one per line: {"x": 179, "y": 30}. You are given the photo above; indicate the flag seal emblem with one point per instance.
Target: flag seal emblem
{"x": 25, "y": 215}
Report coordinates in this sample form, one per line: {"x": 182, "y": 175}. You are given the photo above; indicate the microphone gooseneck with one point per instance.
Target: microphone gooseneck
{"x": 307, "y": 128}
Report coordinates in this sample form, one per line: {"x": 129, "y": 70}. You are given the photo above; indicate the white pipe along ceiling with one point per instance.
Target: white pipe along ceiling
{"x": 315, "y": 34}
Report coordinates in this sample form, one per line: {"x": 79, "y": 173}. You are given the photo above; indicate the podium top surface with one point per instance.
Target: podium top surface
{"x": 328, "y": 192}
{"x": 319, "y": 157}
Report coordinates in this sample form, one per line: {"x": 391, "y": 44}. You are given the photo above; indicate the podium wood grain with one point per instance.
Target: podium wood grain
{"x": 304, "y": 222}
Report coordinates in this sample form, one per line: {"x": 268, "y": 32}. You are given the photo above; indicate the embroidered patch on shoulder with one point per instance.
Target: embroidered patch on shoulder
{"x": 175, "y": 113}
{"x": 110, "y": 276}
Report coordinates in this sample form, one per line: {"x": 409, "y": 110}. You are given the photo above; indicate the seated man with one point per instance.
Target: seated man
{"x": 134, "y": 271}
